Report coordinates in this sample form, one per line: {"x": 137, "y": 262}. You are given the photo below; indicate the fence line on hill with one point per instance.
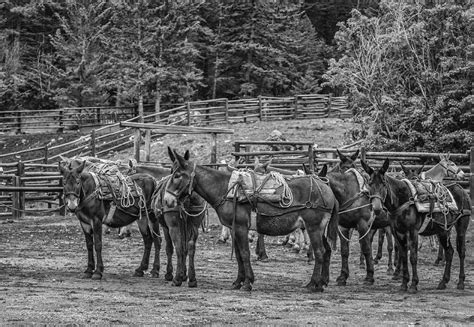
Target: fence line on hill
{"x": 209, "y": 111}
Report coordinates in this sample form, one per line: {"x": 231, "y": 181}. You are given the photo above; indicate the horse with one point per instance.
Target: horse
{"x": 180, "y": 225}
{"x": 355, "y": 212}
{"x": 407, "y": 222}
{"x": 83, "y": 196}
{"x": 313, "y": 204}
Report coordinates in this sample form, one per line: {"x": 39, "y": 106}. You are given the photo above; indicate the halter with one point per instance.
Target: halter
{"x": 448, "y": 168}
{"x": 189, "y": 186}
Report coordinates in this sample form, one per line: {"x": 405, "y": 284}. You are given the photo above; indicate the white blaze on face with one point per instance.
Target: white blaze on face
{"x": 71, "y": 202}
{"x": 170, "y": 200}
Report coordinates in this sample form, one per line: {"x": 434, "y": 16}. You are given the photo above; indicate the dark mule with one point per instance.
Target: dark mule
{"x": 180, "y": 225}
{"x": 355, "y": 212}
{"x": 407, "y": 221}
{"x": 313, "y": 206}
{"x": 83, "y": 197}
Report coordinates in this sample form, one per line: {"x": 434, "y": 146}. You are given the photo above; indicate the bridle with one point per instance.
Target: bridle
{"x": 449, "y": 168}
{"x": 190, "y": 186}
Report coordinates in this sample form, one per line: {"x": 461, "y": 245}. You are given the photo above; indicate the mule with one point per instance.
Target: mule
{"x": 406, "y": 222}
{"x": 355, "y": 212}
{"x": 180, "y": 225}
{"x": 82, "y": 196}
{"x": 313, "y": 205}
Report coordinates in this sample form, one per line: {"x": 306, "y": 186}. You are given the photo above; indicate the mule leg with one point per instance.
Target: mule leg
{"x": 401, "y": 242}
{"x": 461, "y": 227}
{"x": 97, "y": 234}
{"x": 389, "y": 250}
{"x": 147, "y": 243}
{"x": 260, "y": 250}
{"x": 326, "y": 263}
{"x": 316, "y": 237}
{"x": 413, "y": 247}
{"x": 367, "y": 251}
{"x": 225, "y": 235}
{"x": 87, "y": 229}
{"x": 380, "y": 246}
{"x": 156, "y": 237}
{"x": 448, "y": 251}
{"x": 169, "y": 254}
{"x": 342, "y": 279}
{"x": 440, "y": 256}
{"x": 191, "y": 252}
{"x": 245, "y": 276}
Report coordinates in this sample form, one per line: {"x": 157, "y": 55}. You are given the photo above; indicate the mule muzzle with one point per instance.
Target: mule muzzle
{"x": 376, "y": 202}
{"x": 170, "y": 199}
{"x": 460, "y": 174}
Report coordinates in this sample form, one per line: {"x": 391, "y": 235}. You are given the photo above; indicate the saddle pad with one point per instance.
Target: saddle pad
{"x": 116, "y": 187}
{"x": 268, "y": 186}
{"x": 360, "y": 179}
{"x": 428, "y": 194}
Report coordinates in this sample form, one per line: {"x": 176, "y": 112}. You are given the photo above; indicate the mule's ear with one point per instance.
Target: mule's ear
{"x": 420, "y": 170}
{"x": 181, "y": 160}
{"x": 256, "y": 163}
{"x": 403, "y": 168}
{"x": 171, "y": 155}
{"x": 385, "y": 165}
{"x": 130, "y": 163}
{"x": 64, "y": 159}
{"x": 448, "y": 155}
{"x": 62, "y": 169}
{"x": 355, "y": 155}
{"x": 186, "y": 155}
{"x": 306, "y": 169}
{"x": 366, "y": 167}
{"x": 441, "y": 156}
{"x": 323, "y": 172}
{"x": 341, "y": 156}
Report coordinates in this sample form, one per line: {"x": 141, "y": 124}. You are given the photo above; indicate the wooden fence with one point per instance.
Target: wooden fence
{"x": 206, "y": 111}
{"x": 23, "y": 186}
{"x": 304, "y": 152}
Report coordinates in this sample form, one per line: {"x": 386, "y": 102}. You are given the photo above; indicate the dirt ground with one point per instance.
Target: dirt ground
{"x": 42, "y": 258}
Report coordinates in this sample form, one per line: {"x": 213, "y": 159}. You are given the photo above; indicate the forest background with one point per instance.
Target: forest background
{"x": 406, "y": 66}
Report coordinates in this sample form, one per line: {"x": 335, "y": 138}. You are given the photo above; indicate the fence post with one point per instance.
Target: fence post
{"x": 188, "y": 108}
{"x": 214, "y": 148}
{"x": 260, "y": 107}
{"x": 93, "y": 143}
{"x": 226, "y": 108}
{"x": 15, "y": 197}
{"x": 21, "y": 194}
{"x": 236, "y": 149}
{"x": 61, "y": 121}
{"x": 329, "y": 104}
{"x": 46, "y": 154}
{"x": 295, "y": 113}
{"x": 136, "y": 143}
{"x": 363, "y": 153}
{"x": 18, "y": 121}
{"x": 147, "y": 144}
{"x": 311, "y": 158}
{"x": 471, "y": 180}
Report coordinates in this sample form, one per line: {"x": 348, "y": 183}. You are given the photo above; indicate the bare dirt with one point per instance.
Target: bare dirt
{"x": 42, "y": 259}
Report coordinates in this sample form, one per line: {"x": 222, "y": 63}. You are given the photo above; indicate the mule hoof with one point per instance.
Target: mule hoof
{"x": 460, "y": 286}
{"x": 362, "y": 266}
{"x": 193, "y": 284}
{"x": 96, "y": 276}
{"x": 154, "y": 274}
{"x": 390, "y": 271}
{"x": 441, "y": 285}
{"x": 403, "y": 288}
{"x": 169, "y": 277}
{"x": 247, "y": 287}
{"x": 221, "y": 241}
{"x": 314, "y": 288}
{"x": 369, "y": 281}
{"x": 138, "y": 273}
{"x": 176, "y": 282}
{"x": 262, "y": 258}
{"x": 86, "y": 275}
{"x": 396, "y": 277}
{"x": 341, "y": 283}
{"x": 437, "y": 262}
{"x": 236, "y": 286}
{"x": 412, "y": 289}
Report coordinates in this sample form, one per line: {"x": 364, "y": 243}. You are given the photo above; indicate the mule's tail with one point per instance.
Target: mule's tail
{"x": 332, "y": 226}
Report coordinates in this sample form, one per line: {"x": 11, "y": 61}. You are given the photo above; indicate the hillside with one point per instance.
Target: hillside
{"x": 328, "y": 132}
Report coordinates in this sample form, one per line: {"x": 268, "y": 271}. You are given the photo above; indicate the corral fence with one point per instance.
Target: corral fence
{"x": 202, "y": 112}
{"x": 27, "y": 188}
{"x": 292, "y": 155}
{"x": 26, "y": 183}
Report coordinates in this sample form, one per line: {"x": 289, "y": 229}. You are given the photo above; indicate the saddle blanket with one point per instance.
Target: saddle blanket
{"x": 431, "y": 196}
{"x": 269, "y": 186}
